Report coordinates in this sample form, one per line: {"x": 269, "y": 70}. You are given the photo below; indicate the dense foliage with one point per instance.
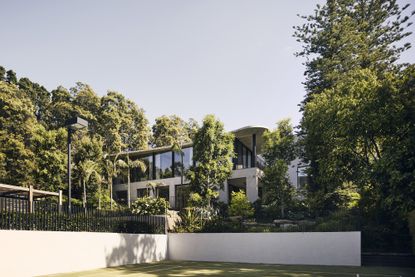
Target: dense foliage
{"x": 358, "y": 125}
{"x": 33, "y": 136}
{"x": 171, "y": 130}
{"x": 240, "y": 205}
{"x": 150, "y": 206}
{"x": 278, "y": 150}
{"x": 212, "y": 153}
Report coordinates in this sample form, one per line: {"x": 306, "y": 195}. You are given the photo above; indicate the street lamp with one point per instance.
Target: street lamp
{"x": 72, "y": 124}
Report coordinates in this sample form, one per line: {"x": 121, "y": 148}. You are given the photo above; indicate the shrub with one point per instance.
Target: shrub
{"x": 149, "y": 206}
{"x": 240, "y": 206}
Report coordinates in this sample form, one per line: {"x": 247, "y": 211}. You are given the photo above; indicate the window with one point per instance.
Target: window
{"x": 163, "y": 192}
{"x": 243, "y": 156}
{"x": 182, "y": 193}
{"x": 138, "y": 175}
{"x": 142, "y": 192}
{"x": 187, "y": 161}
{"x": 121, "y": 196}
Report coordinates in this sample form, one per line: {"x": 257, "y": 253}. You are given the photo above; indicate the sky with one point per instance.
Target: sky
{"x": 231, "y": 58}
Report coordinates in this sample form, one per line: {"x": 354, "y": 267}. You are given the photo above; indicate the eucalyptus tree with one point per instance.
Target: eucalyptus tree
{"x": 279, "y": 149}
{"x": 212, "y": 152}
{"x": 169, "y": 130}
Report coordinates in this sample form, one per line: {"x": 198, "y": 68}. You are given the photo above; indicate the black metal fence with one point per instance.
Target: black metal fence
{"x": 15, "y": 214}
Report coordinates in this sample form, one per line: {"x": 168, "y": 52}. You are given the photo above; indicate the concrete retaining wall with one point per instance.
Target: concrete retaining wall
{"x": 30, "y": 253}
{"x": 315, "y": 248}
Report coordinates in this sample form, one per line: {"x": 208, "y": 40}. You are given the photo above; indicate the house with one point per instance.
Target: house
{"x": 164, "y": 169}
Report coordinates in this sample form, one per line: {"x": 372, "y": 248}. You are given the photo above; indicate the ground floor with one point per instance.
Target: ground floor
{"x": 175, "y": 189}
{"x": 188, "y": 268}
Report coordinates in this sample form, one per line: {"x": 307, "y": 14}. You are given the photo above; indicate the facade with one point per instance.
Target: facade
{"x": 164, "y": 176}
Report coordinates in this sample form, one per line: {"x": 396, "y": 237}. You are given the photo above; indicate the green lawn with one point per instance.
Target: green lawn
{"x": 176, "y": 269}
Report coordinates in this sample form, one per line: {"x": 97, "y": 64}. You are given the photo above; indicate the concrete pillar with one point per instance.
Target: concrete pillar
{"x": 172, "y": 195}
{"x": 60, "y": 201}
{"x": 252, "y": 188}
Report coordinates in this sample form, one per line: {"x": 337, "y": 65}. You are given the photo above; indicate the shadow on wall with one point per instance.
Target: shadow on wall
{"x": 134, "y": 249}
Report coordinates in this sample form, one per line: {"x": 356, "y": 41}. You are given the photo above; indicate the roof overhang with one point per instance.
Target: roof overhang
{"x": 245, "y": 135}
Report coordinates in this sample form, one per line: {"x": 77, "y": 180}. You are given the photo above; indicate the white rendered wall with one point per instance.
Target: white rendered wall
{"x": 31, "y": 253}
{"x": 315, "y": 248}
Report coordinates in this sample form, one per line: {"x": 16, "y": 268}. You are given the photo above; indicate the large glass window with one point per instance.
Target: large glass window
{"x": 138, "y": 175}
{"x": 187, "y": 161}
{"x": 163, "y": 192}
{"x": 164, "y": 165}
{"x": 243, "y": 156}
{"x": 142, "y": 192}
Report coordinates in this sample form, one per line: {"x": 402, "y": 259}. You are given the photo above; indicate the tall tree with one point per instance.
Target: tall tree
{"x": 122, "y": 124}
{"x": 39, "y": 96}
{"x": 278, "y": 150}
{"x": 357, "y": 120}
{"x": 212, "y": 153}
{"x": 346, "y": 44}
{"x": 169, "y": 130}
{"x": 17, "y": 123}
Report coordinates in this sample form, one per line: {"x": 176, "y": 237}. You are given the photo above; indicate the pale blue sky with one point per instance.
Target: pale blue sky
{"x": 232, "y": 58}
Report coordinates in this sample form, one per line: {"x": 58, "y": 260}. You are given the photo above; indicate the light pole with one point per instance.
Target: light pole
{"x": 72, "y": 124}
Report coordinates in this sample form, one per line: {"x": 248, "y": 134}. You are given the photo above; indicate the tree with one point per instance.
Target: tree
{"x": 212, "y": 153}
{"x": 122, "y": 124}
{"x": 278, "y": 150}
{"x": 351, "y": 50}
{"x": 11, "y": 77}
{"x": 88, "y": 169}
{"x": 169, "y": 130}
{"x": 113, "y": 166}
{"x": 357, "y": 115}
{"x": 49, "y": 148}
{"x": 17, "y": 123}
{"x": 130, "y": 164}
{"x": 344, "y": 35}
{"x": 39, "y": 96}
{"x": 2, "y": 73}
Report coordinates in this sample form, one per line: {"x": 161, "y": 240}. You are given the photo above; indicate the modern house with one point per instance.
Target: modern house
{"x": 164, "y": 178}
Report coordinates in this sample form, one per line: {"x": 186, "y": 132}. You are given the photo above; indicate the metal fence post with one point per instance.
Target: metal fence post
{"x": 30, "y": 199}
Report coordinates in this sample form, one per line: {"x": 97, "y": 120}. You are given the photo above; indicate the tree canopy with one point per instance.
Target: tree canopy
{"x": 212, "y": 153}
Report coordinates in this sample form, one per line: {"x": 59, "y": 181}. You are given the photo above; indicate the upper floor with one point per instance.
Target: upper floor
{"x": 163, "y": 162}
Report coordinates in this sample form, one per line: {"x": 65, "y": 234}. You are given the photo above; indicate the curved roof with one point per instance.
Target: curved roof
{"x": 245, "y": 134}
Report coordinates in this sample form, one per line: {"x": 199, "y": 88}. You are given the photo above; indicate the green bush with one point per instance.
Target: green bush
{"x": 149, "y": 206}
{"x": 411, "y": 221}
{"x": 240, "y": 205}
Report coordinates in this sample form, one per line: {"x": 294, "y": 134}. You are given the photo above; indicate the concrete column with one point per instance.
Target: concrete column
{"x": 60, "y": 201}
{"x": 252, "y": 188}
{"x": 172, "y": 195}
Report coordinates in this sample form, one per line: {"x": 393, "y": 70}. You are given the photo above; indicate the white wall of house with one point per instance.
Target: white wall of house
{"x": 337, "y": 248}
{"x": 250, "y": 174}
{"x": 31, "y": 253}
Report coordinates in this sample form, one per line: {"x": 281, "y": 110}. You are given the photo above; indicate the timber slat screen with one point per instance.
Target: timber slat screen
{"x": 49, "y": 216}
